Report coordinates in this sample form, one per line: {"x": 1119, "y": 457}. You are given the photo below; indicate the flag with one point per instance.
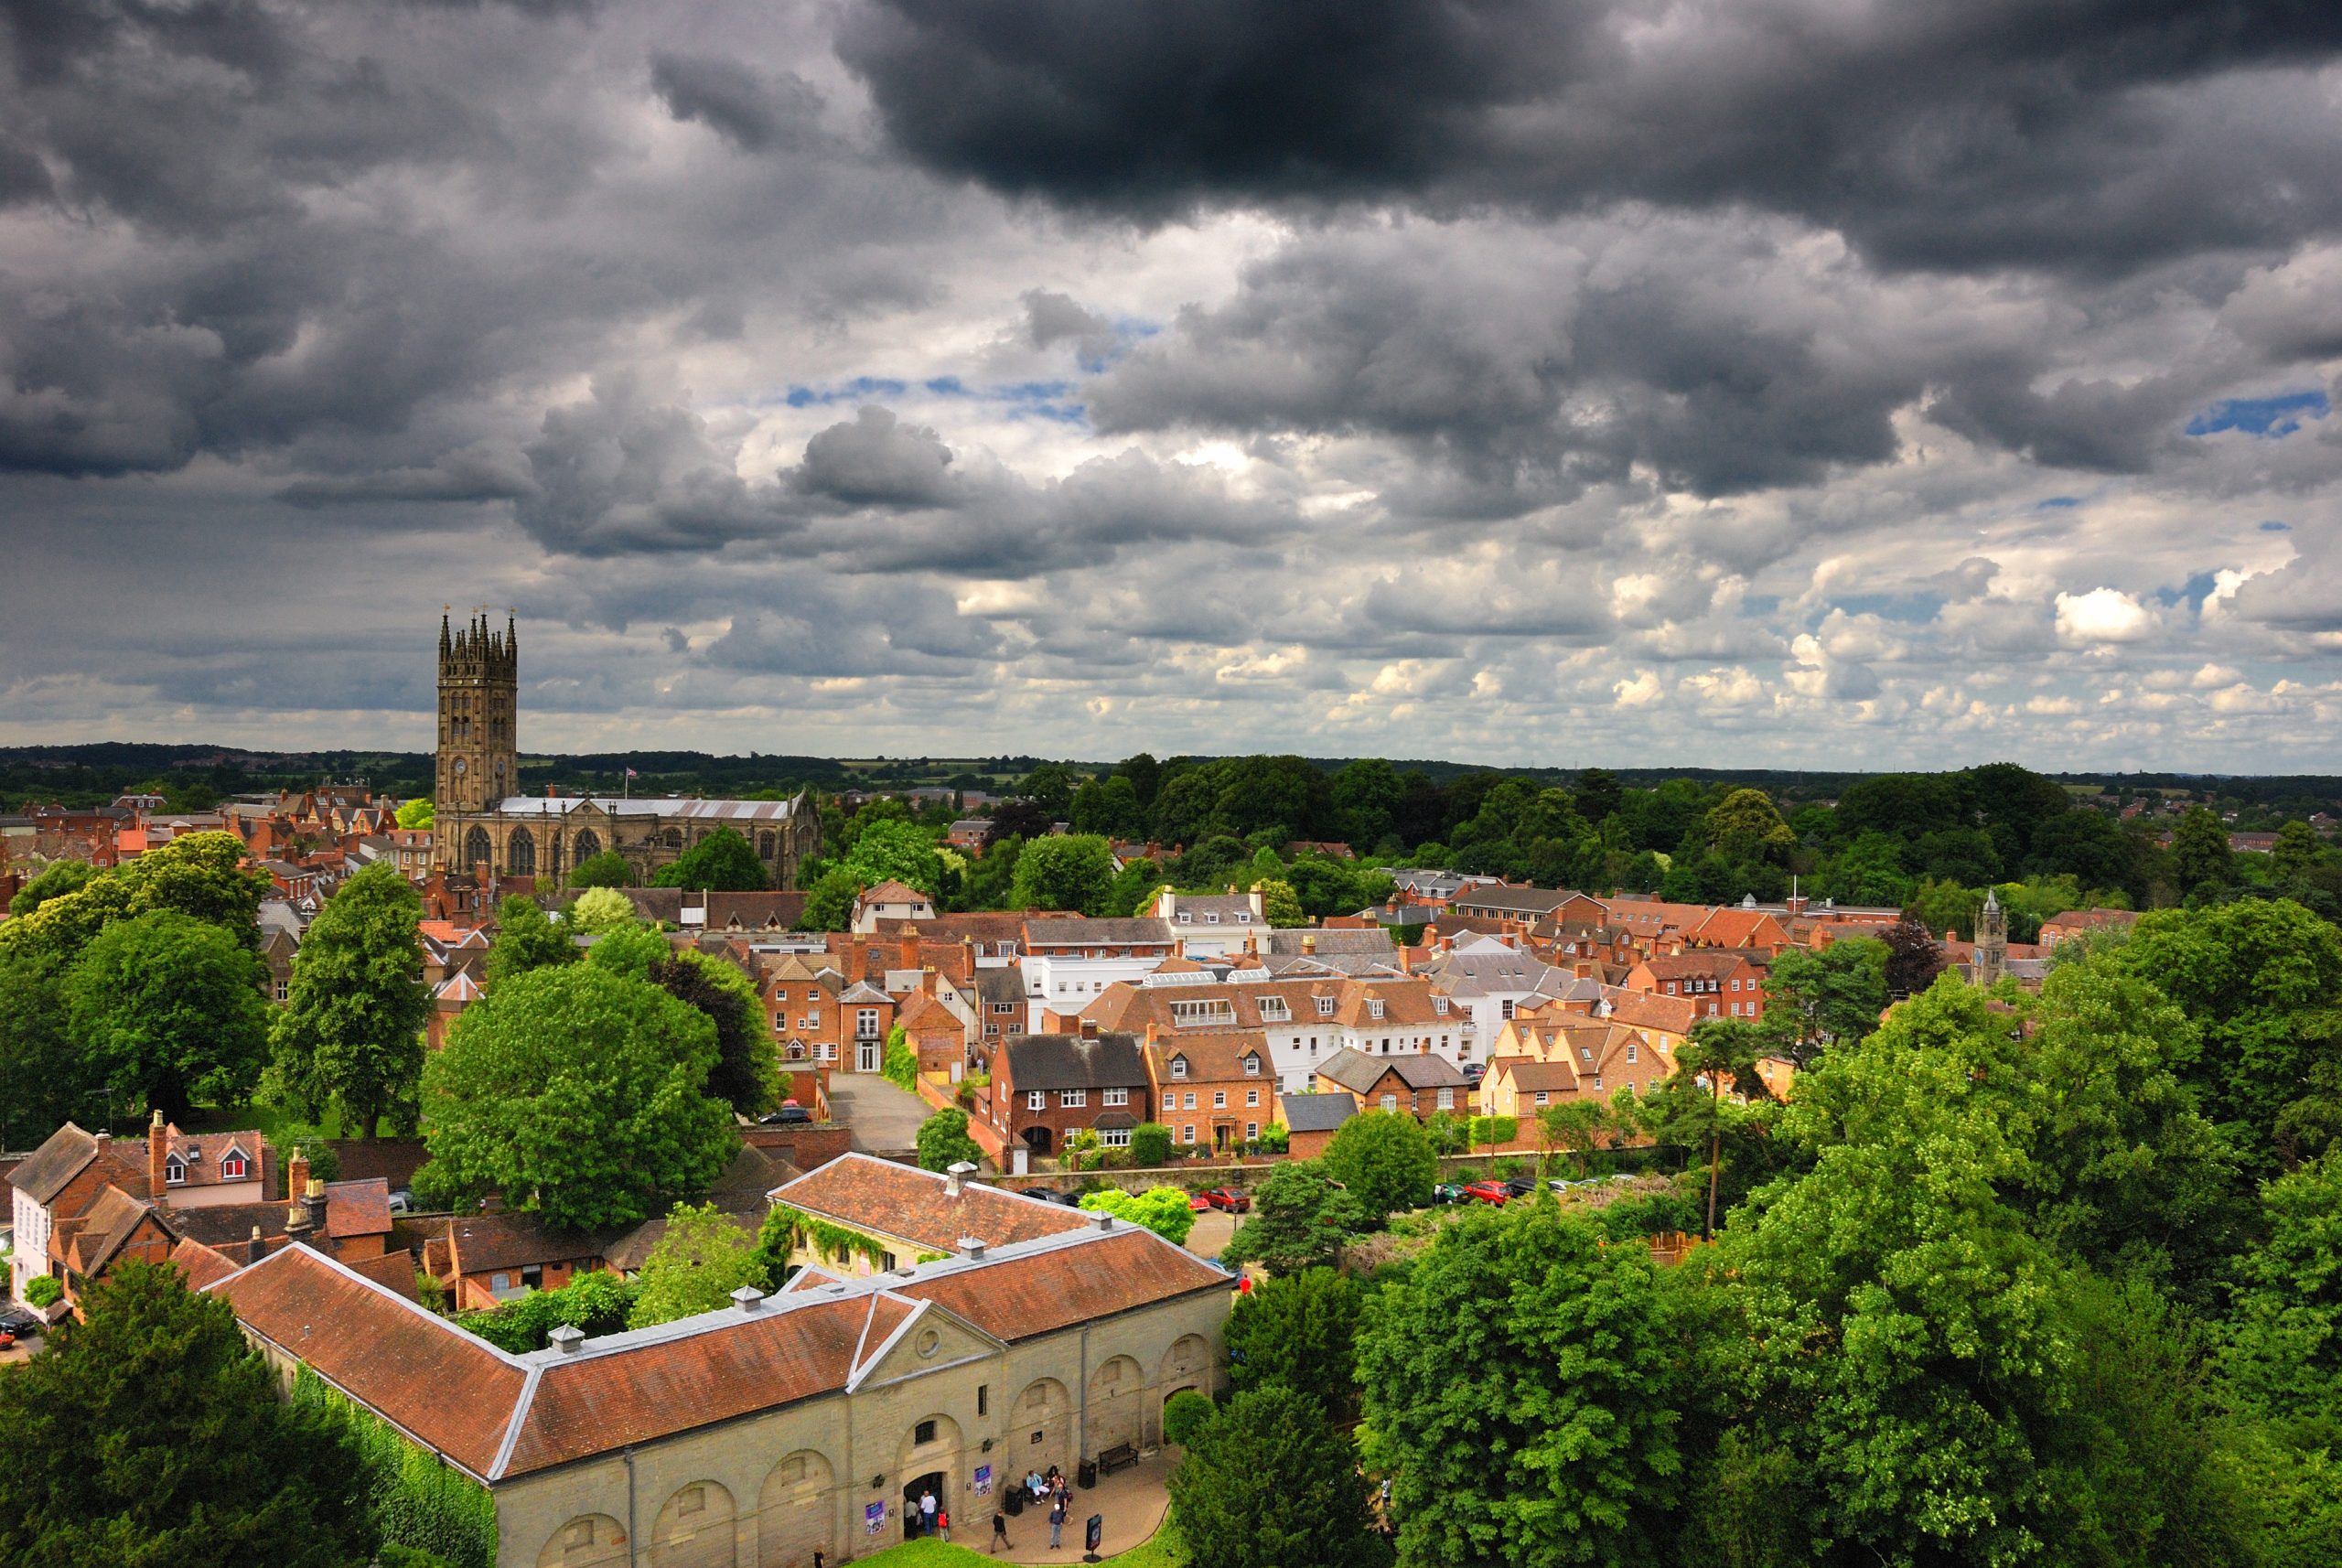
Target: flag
{"x": 632, "y": 774}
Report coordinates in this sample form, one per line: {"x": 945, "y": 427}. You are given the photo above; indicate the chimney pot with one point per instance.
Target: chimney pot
{"x": 748, "y": 1298}
{"x": 1103, "y": 1220}
{"x": 972, "y": 1246}
{"x": 1089, "y": 1028}
{"x": 955, "y": 1177}
{"x": 565, "y": 1339}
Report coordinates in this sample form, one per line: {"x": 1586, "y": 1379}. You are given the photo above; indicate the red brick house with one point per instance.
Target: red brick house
{"x": 1418, "y": 1083}
{"x": 1721, "y": 982}
{"x": 1212, "y": 1090}
{"x": 1046, "y": 1087}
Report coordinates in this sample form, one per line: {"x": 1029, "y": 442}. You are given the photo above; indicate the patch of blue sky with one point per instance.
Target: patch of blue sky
{"x": 2057, "y": 503}
{"x": 2271, "y": 525}
{"x": 2272, "y": 418}
{"x": 2193, "y": 591}
{"x": 861, "y": 389}
{"x": 1914, "y": 608}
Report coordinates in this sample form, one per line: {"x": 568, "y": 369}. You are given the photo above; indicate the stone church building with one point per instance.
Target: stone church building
{"x": 483, "y": 820}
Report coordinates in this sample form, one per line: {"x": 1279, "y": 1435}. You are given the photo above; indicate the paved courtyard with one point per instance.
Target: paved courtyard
{"x": 1131, "y": 1501}
{"x": 882, "y": 1119}
{"x": 1213, "y": 1231}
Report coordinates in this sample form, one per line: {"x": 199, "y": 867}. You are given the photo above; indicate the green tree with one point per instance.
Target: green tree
{"x": 1149, "y": 1143}
{"x": 417, "y": 813}
{"x": 527, "y": 940}
{"x": 1816, "y": 1000}
{"x": 2200, "y": 858}
{"x": 1576, "y": 1125}
{"x": 1183, "y": 1415}
{"x": 1745, "y": 825}
{"x": 723, "y": 861}
{"x": 65, "y": 877}
{"x": 1162, "y": 1209}
{"x": 151, "y": 1433}
{"x": 605, "y": 868}
{"x": 1385, "y": 1160}
{"x": 747, "y": 1075}
{"x": 351, "y": 1032}
{"x": 943, "y": 1140}
{"x": 2295, "y": 852}
{"x": 1299, "y": 1220}
{"x": 594, "y": 1302}
{"x": 1523, "y": 1390}
{"x": 1266, "y": 1483}
{"x": 630, "y": 946}
{"x": 701, "y": 1257}
{"x": 2284, "y": 1332}
{"x": 1049, "y": 786}
{"x": 45, "y": 1079}
{"x": 2262, "y": 982}
{"x": 1300, "y": 1330}
{"x": 599, "y": 909}
{"x": 197, "y": 874}
{"x": 1279, "y": 904}
{"x": 168, "y": 1009}
{"x": 579, "y": 1093}
{"x": 891, "y": 851}
{"x": 828, "y": 903}
{"x": 1069, "y": 871}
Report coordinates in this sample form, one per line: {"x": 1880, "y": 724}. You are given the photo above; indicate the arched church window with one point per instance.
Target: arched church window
{"x": 521, "y": 853}
{"x": 477, "y": 851}
{"x": 589, "y": 843}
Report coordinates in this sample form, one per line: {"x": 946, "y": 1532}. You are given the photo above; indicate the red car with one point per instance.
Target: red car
{"x": 1227, "y": 1197}
{"x": 1488, "y": 1192}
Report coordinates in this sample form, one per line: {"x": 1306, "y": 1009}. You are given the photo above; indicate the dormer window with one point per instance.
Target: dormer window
{"x": 175, "y": 1172}
{"x": 1211, "y": 919}
{"x": 1325, "y": 1006}
{"x": 1178, "y": 1067}
{"x": 232, "y": 1167}
{"x": 1244, "y": 920}
{"x": 1439, "y": 1006}
{"x": 1252, "y": 1067}
{"x": 1186, "y": 918}
{"x": 1374, "y": 1008}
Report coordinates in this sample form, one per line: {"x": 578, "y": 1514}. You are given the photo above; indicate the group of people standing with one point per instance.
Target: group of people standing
{"x": 1051, "y": 1489}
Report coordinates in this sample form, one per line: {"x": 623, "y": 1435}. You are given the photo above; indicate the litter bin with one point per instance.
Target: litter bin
{"x": 1012, "y": 1502}
{"x": 1085, "y": 1475}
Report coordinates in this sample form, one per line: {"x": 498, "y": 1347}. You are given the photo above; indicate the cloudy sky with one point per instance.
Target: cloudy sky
{"x": 1642, "y": 382}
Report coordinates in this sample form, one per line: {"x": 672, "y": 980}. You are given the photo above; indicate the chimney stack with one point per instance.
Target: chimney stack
{"x": 313, "y": 1197}
{"x": 296, "y": 1176}
{"x": 910, "y": 949}
{"x": 955, "y": 1177}
{"x": 973, "y": 1248}
{"x": 158, "y": 1141}
{"x": 1089, "y": 1027}
{"x": 748, "y": 1298}
{"x": 565, "y": 1339}
{"x": 1103, "y": 1220}
{"x": 1308, "y": 942}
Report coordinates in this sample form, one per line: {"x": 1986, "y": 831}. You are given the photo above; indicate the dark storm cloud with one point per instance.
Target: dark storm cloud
{"x": 748, "y": 108}
{"x": 877, "y": 460}
{"x": 2100, "y": 133}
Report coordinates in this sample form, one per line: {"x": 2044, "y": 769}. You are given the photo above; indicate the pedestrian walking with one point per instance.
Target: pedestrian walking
{"x": 1000, "y": 1532}
{"x": 1057, "y": 1524}
{"x": 943, "y": 1525}
{"x": 926, "y": 1512}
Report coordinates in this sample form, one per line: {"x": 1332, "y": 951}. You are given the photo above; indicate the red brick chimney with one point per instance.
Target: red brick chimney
{"x": 910, "y": 951}
{"x": 296, "y": 1176}
{"x": 158, "y": 1143}
{"x": 1089, "y": 1028}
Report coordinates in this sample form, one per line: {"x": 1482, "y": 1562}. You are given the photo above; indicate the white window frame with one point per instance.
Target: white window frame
{"x": 1037, "y": 1100}
{"x": 1073, "y": 1099}
{"x": 1114, "y": 1097}
{"x": 1220, "y": 1100}
{"x": 1114, "y": 1137}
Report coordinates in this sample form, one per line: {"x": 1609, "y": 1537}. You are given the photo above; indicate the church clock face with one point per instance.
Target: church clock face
{"x": 460, "y": 767}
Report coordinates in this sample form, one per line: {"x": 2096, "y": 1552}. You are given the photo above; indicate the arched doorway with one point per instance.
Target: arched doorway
{"x": 694, "y": 1528}
{"x": 1117, "y": 1396}
{"x": 1036, "y": 1139}
{"x": 1042, "y": 1433}
{"x": 589, "y": 1541}
{"x": 521, "y": 853}
{"x": 914, "y": 1516}
{"x": 930, "y": 1460}
{"x": 797, "y": 1512}
{"x": 477, "y": 851}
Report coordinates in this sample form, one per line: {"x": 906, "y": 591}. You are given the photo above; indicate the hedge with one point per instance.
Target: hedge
{"x": 418, "y": 1499}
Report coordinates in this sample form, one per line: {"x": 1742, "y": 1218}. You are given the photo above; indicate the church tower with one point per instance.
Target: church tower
{"x": 480, "y": 761}
{"x": 1991, "y": 940}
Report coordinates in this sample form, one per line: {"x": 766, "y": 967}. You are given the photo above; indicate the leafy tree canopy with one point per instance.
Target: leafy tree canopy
{"x": 1300, "y": 1330}
{"x": 700, "y": 1258}
{"x": 419, "y": 812}
{"x": 603, "y": 868}
{"x": 1299, "y": 1220}
{"x": 1385, "y": 1160}
{"x": 1069, "y": 871}
{"x": 527, "y": 938}
{"x": 723, "y": 861}
{"x": 351, "y": 1032}
{"x": 599, "y": 909}
{"x": 1162, "y": 1209}
{"x": 168, "y": 1009}
{"x": 580, "y": 1093}
{"x": 1266, "y": 1483}
{"x": 943, "y": 1140}
{"x": 150, "y": 1433}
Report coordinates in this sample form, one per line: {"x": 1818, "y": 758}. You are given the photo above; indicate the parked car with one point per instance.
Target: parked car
{"x": 1520, "y": 1187}
{"x": 1495, "y": 1192}
{"x": 1199, "y": 1204}
{"x": 1450, "y": 1192}
{"x": 402, "y": 1200}
{"x": 790, "y": 1114}
{"x": 1051, "y": 1195}
{"x": 17, "y": 1321}
{"x": 1475, "y": 1071}
{"x": 1229, "y": 1198}
{"x": 7, "y": 1340}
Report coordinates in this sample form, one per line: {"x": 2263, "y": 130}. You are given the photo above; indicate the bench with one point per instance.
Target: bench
{"x": 1116, "y": 1458}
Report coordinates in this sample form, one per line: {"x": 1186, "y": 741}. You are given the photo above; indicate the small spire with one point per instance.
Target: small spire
{"x": 1991, "y": 899}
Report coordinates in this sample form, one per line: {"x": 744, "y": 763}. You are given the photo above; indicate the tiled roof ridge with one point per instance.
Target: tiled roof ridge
{"x": 296, "y": 1247}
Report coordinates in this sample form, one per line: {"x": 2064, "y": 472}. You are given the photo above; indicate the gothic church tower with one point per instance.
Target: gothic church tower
{"x": 480, "y": 761}
{"x": 1991, "y": 940}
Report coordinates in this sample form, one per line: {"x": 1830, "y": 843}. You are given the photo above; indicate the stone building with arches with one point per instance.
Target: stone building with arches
{"x": 802, "y": 1421}
{"x": 483, "y": 821}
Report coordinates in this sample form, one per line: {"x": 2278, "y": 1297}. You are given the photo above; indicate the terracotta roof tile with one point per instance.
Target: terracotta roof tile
{"x": 1052, "y": 1289}
{"x": 201, "y": 1265}
{"x": 899, "y": 1200}
{"x": 452, "y": 1391}
{"x": 595, "y": 1401}
{"x": 358, "y": 1207}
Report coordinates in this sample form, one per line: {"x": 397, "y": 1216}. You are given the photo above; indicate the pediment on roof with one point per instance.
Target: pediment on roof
{"x": 929, "y": 1340}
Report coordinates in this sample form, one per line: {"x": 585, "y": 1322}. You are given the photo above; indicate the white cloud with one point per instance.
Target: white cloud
{"x": 2102, "y": 616}
{"x": 1638, "y": 691}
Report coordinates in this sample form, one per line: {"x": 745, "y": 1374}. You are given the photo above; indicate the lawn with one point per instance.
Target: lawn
{"x": 1163, "y": 1551}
